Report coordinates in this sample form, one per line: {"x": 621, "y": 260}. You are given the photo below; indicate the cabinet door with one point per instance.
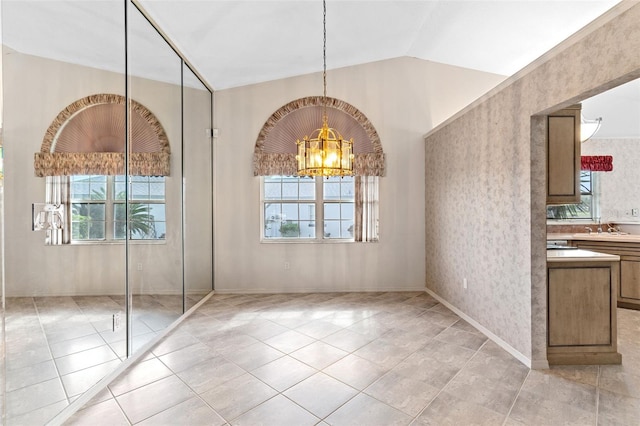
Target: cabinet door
{"x": 563, "y": 156}
{"x": 630, "y": 279}
{"x": 579, "y": 306}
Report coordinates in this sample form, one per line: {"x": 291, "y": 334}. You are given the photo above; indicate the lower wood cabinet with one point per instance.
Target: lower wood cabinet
{"x": 629, "y": 280}
{"x": 579, "y": 306}
{"x": 582, "y": 314}
{"x": 629, "y": 288}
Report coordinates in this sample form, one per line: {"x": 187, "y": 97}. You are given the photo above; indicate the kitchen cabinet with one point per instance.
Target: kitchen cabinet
{"x": 563, "y": 156}
{"x": 581, "y": 308}
{"x": 629, "y": 252}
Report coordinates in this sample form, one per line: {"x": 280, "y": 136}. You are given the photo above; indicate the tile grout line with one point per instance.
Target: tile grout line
{"x": 415, "y": 418}
{"x": 513, "y": 404}
{"x": 44, "y": 334}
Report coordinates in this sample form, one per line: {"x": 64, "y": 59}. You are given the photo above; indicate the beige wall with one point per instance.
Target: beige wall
{"x": 618, "y": 189}
{"x": 35, "y": 91}
{"x": 403, "y": 98}
{"x": 485, "y": 184}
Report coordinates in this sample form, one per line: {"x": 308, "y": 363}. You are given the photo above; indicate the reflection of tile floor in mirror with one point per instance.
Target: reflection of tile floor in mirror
{"x": 366, "y": 359}
{"x": 58, "y": 347}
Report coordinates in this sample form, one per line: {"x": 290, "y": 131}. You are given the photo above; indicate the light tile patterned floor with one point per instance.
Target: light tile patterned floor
{"x": 58, "y": 347}
{"x": 356, "y": 359}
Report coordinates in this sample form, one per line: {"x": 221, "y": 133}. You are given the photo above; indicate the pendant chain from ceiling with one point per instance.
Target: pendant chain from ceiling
{"x": 324, "y": 59}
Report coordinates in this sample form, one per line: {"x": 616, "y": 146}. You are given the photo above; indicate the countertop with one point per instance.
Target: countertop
{"x": 604, "y": 236}
{"x": 579, "y": 256}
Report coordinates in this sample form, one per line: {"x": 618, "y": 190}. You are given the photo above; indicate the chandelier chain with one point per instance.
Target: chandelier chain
{"x": 324, "y": 58}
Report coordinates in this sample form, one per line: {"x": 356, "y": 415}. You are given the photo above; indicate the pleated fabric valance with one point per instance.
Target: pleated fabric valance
{"x": 88, "y": 137}
{"x": 275, "y": 149}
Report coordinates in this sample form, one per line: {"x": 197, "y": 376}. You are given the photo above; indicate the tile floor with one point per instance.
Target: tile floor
{"x": 356, "y": 359}
{"x": 58, "y": 347}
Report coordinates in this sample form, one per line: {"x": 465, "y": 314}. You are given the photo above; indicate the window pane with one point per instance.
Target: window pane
{"x": 289, "y": 211}
{"x": 156, "y": 190}
{"x": 118, "y": 229}
{"x": 331, "y": 190}
{"x": 332, "y": 229}
{"x": 272, "y": 220}
{"x": 585, "y": 182}
{"x": 290, "y": 229}
{"x": 140, "y": 226}
{"x": 338, "y": 221}
{"x": 346, "y": 211}
{"x": 96, "y": 211}
{"x": 139, "y": 191}
{"x": 87, "y": 221}
{"x": 157, "y": 212}
{"x": 307, "y": 190}
{"x": 118, "y": 211}
{"x": 96, "y": 230}
{"x": 290, "y": 191}
{"x": 88, "y": 187}
{"x": 272, "y": 190}
{"x": 307, "y": 211}
{"x": 154, "y": 227}
{"x": 347, "y": 189}
{"x": 307, "y": 229}
{"x": 347, "y": 229}
{"x": 331, "y": 211}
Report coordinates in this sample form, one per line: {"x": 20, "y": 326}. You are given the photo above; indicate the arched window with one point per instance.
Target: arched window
{"x": 297, "y": 208}
{"x": 82, "y": 158}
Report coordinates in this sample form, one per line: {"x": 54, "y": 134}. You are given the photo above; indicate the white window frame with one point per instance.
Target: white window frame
{"x": 109, "y": 217}
{"x": 319, "y": 203}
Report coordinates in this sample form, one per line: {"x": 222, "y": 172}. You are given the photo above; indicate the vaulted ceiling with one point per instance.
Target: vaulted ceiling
{"x": 235, "y": 43}
{"x": 241, "y": 42}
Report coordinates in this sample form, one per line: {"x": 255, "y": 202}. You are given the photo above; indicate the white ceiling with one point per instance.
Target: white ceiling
{"x": 234, "y": 43}
{"x": 240, "y": 42}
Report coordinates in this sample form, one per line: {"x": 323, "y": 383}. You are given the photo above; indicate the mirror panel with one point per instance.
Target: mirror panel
{"x": 155, "y": 240}
{"x": 197, "y": 161}
{"x": 60, "y": 300}
{"x": 75, "y": 310}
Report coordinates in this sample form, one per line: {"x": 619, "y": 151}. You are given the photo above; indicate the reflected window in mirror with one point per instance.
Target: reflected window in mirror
{"x": 98, "y": 207}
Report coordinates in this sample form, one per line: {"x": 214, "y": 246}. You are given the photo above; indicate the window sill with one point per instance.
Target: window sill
{"x": 336, "y": 241}
{"x": 115, "y": 243}
{"x": 571, "y": 222}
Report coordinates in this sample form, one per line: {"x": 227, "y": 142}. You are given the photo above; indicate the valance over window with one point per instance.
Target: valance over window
{"x": 88, "y": 137}
{"x": 275, "y": 149}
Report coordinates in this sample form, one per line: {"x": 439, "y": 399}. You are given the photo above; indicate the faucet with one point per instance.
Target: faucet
{"x": 599, "y": 226}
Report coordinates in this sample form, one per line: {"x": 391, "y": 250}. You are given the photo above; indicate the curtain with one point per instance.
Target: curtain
{"x": 366, "y": 214}
{"x": 57, "y": 193}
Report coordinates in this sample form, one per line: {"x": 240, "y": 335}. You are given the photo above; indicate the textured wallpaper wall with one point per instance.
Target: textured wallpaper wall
{"x": 485, "y": 187}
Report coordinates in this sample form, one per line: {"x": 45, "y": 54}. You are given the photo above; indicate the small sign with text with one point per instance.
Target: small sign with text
{"x": 597, "y": 163}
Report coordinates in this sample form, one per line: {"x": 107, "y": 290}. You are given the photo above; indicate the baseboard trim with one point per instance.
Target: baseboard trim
{"x": 315, "y": 290}
{"x": 497, "y": 340}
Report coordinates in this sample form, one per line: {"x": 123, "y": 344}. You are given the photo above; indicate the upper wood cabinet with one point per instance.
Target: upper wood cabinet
{"x": 563, "y": 156}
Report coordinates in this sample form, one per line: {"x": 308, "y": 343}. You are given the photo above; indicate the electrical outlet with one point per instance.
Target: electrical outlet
{"x": 634, "y": 212}
{"x": 287, "y": 266}
{"x": 139, "y": 266}
{"x": 464, "y": 283}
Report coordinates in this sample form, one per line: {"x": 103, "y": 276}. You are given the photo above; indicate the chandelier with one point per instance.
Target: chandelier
{"x": 327, "y": 153}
